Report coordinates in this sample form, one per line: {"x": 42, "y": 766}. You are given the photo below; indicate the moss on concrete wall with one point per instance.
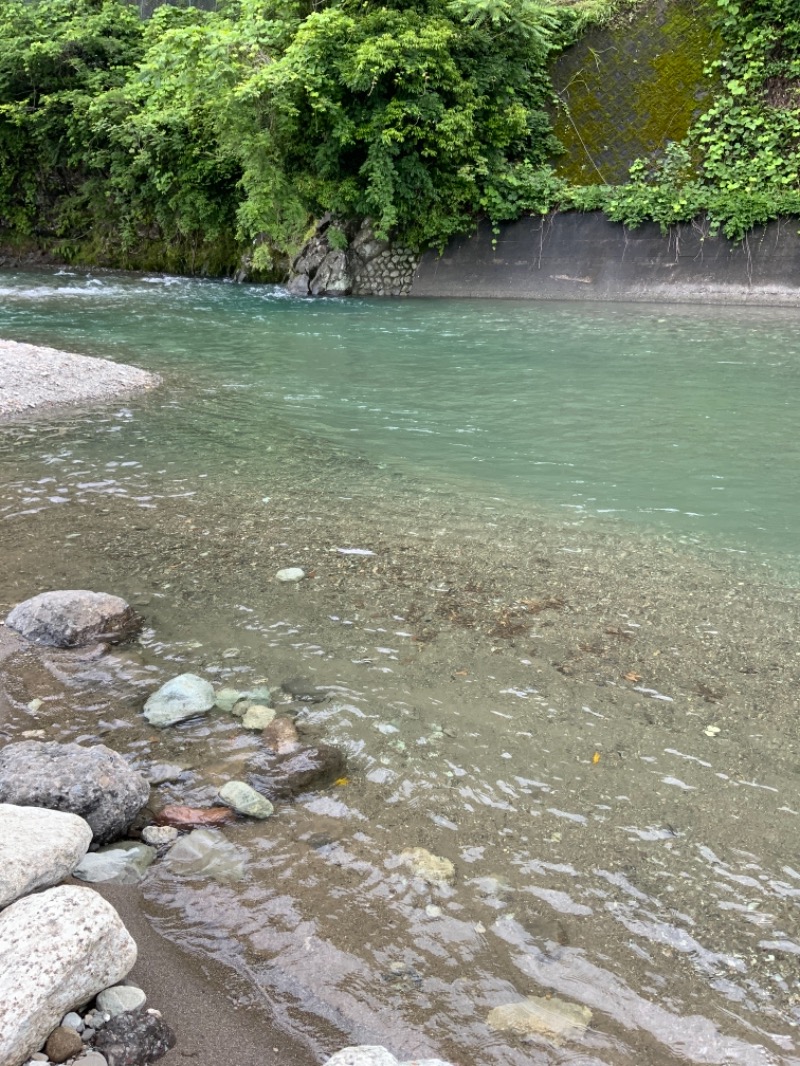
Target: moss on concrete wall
{"x": 628, "y": 89}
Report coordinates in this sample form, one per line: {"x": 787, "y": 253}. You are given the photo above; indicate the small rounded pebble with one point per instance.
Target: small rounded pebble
{"x": 290, "y": 573}
{"x": 120, "y": 998}
{"x": 155, "y": 835}
{"x": 96, "y": 1019}
{"x": 91, "y": 1058}
{"x": 73, "y": 1020}
{"x": 245, "y": 800}
{"x": 63, "y": 1044}
{"x": 258, "y": 717}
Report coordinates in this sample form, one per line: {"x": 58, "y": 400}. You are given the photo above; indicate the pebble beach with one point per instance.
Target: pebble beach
{"x": 34, "y": 378}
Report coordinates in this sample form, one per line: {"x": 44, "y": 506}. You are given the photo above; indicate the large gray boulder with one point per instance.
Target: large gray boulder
{"x": 182, "y": 697}
{"x": 38, "y": 848}
{"x": 95, "y": 783}
{"x": 70, "y": 619}
{"x": 59, "y": 949}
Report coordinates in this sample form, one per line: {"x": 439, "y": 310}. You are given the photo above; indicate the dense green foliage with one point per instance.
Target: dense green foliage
{"x": 252, "y": 119}
{"x": 178, "y": 141}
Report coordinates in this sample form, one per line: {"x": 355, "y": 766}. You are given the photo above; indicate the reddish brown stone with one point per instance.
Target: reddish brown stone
{"x": 193, "y": 817}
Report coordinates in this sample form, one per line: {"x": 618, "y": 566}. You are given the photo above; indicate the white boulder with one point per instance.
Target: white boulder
{"x": 38, "y": 848}
{"x": 59, "y": 949}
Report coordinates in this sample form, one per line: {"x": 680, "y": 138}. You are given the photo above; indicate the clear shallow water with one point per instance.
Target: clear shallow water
{"x": 680, "y": 418}
{"x": 657, "y": 886}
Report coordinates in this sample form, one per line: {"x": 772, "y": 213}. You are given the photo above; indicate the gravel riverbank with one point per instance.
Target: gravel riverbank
{"x": 33, "y": 378}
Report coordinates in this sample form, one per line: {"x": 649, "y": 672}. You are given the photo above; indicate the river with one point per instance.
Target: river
{"x": 551, "y": 610}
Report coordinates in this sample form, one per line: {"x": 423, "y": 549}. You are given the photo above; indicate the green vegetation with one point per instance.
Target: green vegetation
{"x": 198, "y": 127}
{"x": 179, "y": 141}
{"x": 739, "y": 164}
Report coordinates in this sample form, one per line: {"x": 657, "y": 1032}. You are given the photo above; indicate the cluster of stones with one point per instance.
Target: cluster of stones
{"x": 390, "y": 273}
{"x": 367, "y": 267}
{"x": 65, "y": 952}
{"x": 100, "y": 786}
{"x": 64, "y": 948}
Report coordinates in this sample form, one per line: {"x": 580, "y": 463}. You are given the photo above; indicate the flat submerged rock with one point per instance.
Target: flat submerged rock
{"x": 554, "y": 1018}
{"x": 179, "y": 698}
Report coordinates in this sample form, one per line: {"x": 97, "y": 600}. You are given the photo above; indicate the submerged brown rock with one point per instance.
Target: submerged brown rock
{"x": 180, "y": 817}
{"x": 298, "y": 771}
{"x": 280, "y": 736}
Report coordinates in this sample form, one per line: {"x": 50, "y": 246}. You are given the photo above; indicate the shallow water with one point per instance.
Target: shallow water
{"x": 681, "y": 418}
{"x": 523, "y": 684}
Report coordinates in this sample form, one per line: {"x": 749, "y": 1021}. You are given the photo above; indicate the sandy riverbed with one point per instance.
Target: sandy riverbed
{"x": 34, "y": 378}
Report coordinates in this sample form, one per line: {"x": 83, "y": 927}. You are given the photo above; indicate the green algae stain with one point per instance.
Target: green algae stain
{"x": 628, "y": 89}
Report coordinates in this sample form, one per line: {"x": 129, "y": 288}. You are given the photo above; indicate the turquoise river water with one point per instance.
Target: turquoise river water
{"x": 550, "y": 618}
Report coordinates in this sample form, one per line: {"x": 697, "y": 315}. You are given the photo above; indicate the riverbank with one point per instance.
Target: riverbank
{"x": 34, "y": 378}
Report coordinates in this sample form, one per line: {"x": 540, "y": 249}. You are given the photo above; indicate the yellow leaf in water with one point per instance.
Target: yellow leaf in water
{"x": 340, "y": 782}
{"x": 596, "y": 758}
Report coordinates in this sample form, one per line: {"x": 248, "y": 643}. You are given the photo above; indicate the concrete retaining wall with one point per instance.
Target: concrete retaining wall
{"x": 575, "y": 256}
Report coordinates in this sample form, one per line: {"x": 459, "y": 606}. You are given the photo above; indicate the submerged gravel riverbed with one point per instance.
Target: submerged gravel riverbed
{"x": 597, "y": 728}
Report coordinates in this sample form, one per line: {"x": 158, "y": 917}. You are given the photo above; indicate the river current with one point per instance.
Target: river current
{"x": 550, "y": 617}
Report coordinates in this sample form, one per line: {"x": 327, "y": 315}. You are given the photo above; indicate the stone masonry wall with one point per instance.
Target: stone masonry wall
{"x": 366, "y": 267}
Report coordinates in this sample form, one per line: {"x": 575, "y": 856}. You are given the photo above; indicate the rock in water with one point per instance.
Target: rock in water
{"x": 59, "y": 949}
{"x": 95, "y": 783}
{"x": 193, "y": 817}
{"x": 162, "y": 773}
{"x": 554, "y": 1018}
{"x": 207, "y": 853}
{"x": 70, "y": 619}
{"x": 280, "y": 737}
{"x": 180, "y": 698}
{"x": 227, "y": 698}
{"x": 257, "y": 717}
{"x": 430, "y": 867}
{"x": 290, "y": 574}
{"x": 134, "y": 1038}
{"x": 298, "y": 771}
{"x": 363, "y": 1055}
{"x": 245, "y": 800}
{"x": 373, "y": 1055}
{"x": 159, "y": 835}
{"x": 123, "y": 864}
{"x": 38, "y": 848}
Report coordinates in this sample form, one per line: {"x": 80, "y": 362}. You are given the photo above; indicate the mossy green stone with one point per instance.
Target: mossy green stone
{"x": 227, "y": 698}
{"x": 244, "y": 799}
